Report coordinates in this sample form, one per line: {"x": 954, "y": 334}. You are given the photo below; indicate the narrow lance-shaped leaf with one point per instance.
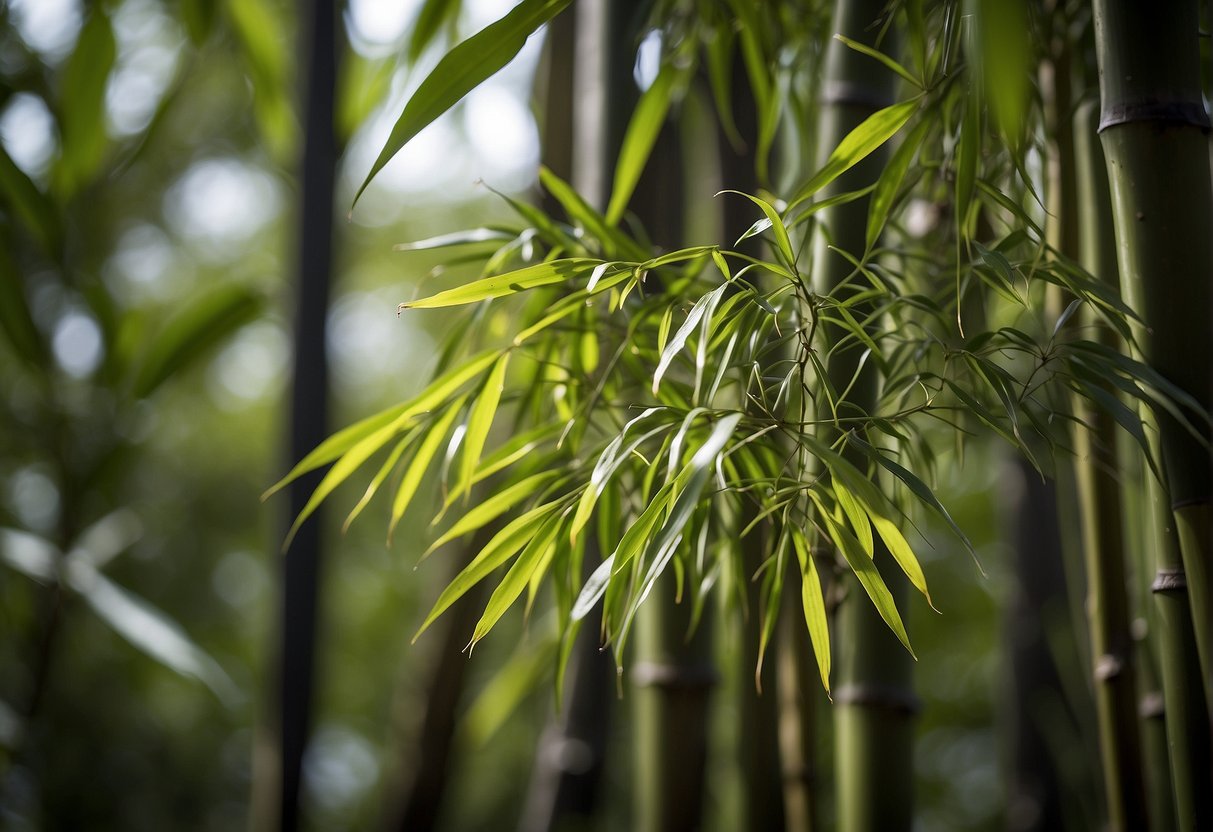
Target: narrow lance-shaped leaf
{"x": 420, "y": 462}
{"x": 877, "y": 129}
{"x": 517, "y": 578}
{"x": 493, "y": 507}
{"x": 813, "y": 602}
{"x": 890, "y": 182}
{"x": 398, "y": 415}
{"x": 377, "y": 480}
{"x": 695, "y": 475}
{"x": 504, "y": 545}
{"x": 531, "y": 277}
{"x": 869, "y": 577}
{"x": 480, "y": 421}
{"x": 463, "y": 69}
{"x": 638, "y": 142}
{"x": 702, "y": 306}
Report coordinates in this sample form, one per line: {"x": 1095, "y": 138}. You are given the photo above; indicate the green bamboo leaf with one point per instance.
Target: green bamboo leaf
{"x": 463, "y": 69}
{"x": 783, "y": 244}
{"x": 614, "y": 242}
{"x": 609, "y": 461}
{"x": 703, "y": 306}
{"x": 916, "y": 486}
{"x": 493, "y": 507}
{"x": 695, "y": 476}
{"x": 629, "y": 546}
{"x": 890, "y": 182}
{"x": 30, "y": 205}
{"x": 433, "y": 14}
{"x": 517, "y": 448}
{"x": 194, "y": 332}
{"x": 869, "y": 577}
{"x": 380, "y": 476}
{"x": 82, "y": 104}
{"x": 883, "y": 58}
{"x": 504, "y": 545}
{"x": 398, "y": 415}
{"x": 813, "y": 602}
{"x": 531, "y": 277}
{"x": 480, "y": 421}
{"x": 457, "y": 238}
{"x": 877, "y": 129}
{"x": 856, "y": 515}
{"x": 516, "y": 579}
{"x": 642, "y": 132}
{"x": 420, "y": 462}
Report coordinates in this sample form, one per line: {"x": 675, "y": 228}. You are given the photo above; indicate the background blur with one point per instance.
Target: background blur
{"x": 146, "y": 238}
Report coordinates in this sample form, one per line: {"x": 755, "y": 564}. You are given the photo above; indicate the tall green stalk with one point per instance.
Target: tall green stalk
{"x": 1153, "y": 128}
{"x": 874, "y": 699}
{"x": 1103, "y": 541}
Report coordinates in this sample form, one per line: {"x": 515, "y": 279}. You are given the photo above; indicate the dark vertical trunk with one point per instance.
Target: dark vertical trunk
{"x": 301, "y": 567}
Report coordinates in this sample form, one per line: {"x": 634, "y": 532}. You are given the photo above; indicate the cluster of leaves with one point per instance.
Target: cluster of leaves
{"x": 665, "y": 405}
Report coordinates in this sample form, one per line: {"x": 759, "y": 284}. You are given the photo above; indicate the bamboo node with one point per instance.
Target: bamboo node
{"x": 674, "y": 676}
{"x": 1108, "y": 667}
{"x": 856, "y": 95}
{"x": 1191, "y": 113}
{"x": 1170, "y": 580}
{"x": 1152, "y": 706}
{"x": 879, "y": 696}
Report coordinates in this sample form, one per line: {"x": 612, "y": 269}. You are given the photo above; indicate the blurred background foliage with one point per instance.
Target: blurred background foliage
{"x": 148, "y": 193}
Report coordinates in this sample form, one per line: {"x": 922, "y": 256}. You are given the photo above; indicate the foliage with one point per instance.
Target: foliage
{"x": 674, "y": 394}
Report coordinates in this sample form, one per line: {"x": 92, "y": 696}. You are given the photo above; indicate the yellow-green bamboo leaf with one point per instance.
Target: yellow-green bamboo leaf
{"x": 504, "y": 545}
{"x": 480, "y": 421}
{"x": 813, "y": 602}
{"x": 420, "y": 462}
{"x": 531, "y": 277}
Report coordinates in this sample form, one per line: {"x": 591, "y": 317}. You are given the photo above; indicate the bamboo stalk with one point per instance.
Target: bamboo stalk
{"x": 1153, "y": 128}
{"x": 1103, "y": 544}
{"x": 874, "y": 699}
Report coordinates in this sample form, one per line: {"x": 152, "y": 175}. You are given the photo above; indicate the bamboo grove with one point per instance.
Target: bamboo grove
{"x": 731, "y": 420}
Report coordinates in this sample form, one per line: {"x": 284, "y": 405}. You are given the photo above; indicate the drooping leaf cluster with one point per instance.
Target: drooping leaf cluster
{"x": 644, "y": 409}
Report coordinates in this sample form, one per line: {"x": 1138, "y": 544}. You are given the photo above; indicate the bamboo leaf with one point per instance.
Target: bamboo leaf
{"x": 457, "y": 238}
{"x": 377, "y": 480}
{"x": 813, "y": 602}
{"x": 531, "y": 277}
{"x": 517, "y": 578}
{"x": 877, "y": 129}
{"x": 783, "y": 243}
{"x": 504, "y": 545}
{"x": 493, "y": 507}
{"x": 420, "y": 462}
{"x": 398, "y": 415}
{"x": 702, "y": 306}
{"x": 863, "y": 49}
{"x": 641, "y": 135}
{"x": 869, "y": 577}
{"x": 890, "y": 182}
{"x": 856, "y": 515}
{"x": 463, "y": 69}
{"x": 480, "y": 421}
{"x": 194, "y": 333}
